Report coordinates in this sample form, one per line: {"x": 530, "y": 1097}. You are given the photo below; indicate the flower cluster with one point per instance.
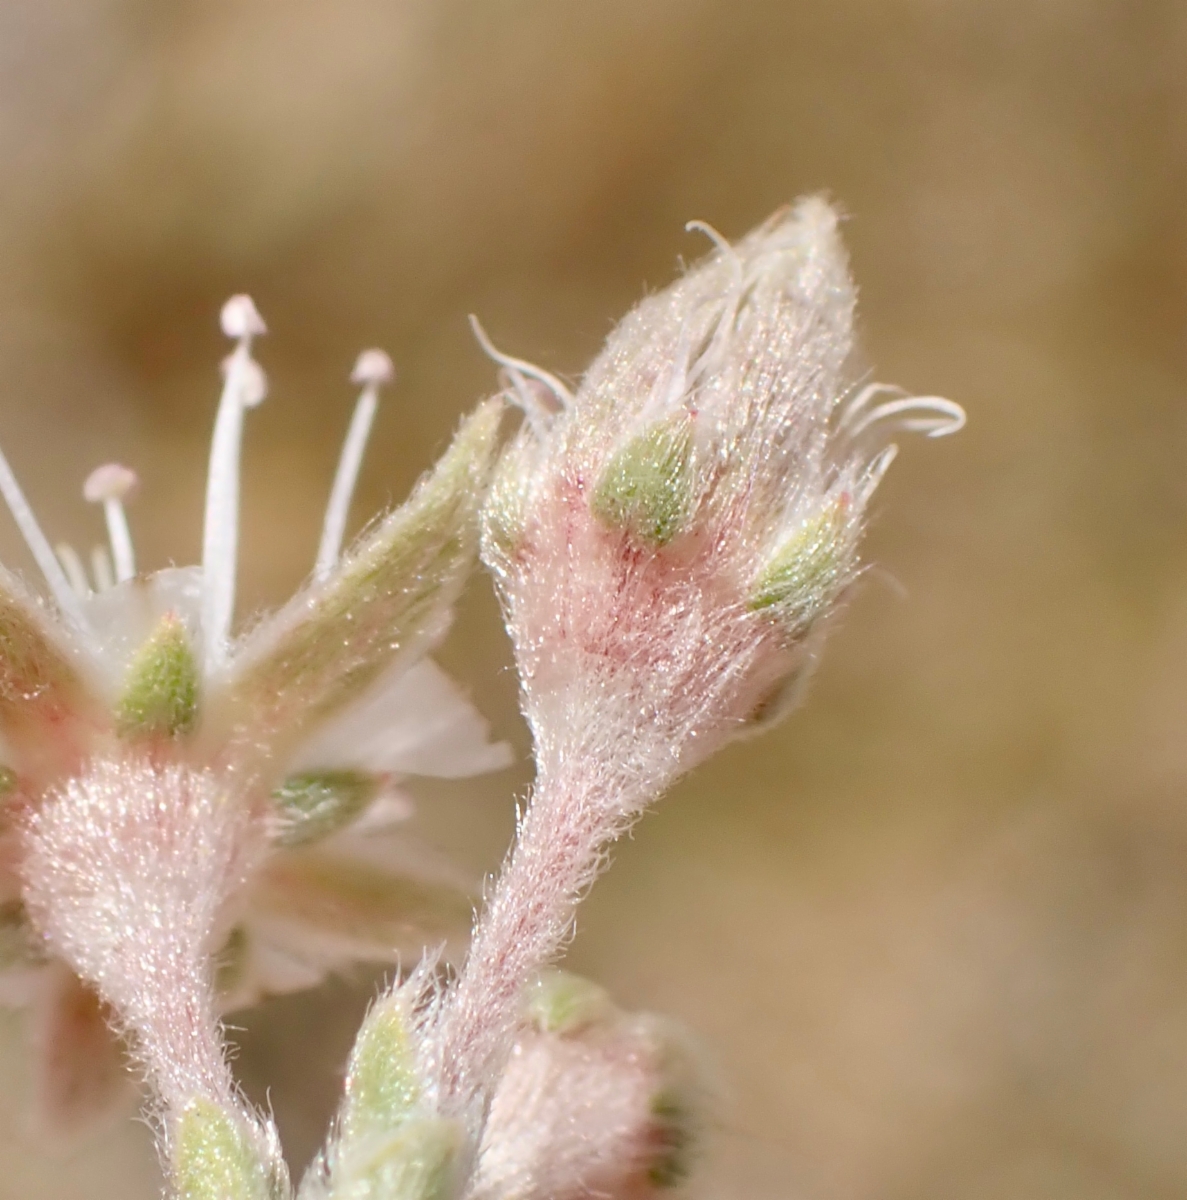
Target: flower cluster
{"x": 669, "y": 543}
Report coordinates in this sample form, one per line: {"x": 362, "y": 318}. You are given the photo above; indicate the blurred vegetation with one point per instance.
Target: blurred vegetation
{"x": 934, "y": 929}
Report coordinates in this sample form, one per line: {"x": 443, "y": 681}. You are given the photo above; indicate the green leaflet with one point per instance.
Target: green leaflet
{"x": 315, "y": 804}
{"x": 387, "y": 598}
{"x": 160, "y": 694}
{"x": 647, "y": 487}
{"x": 382, "y": 1084}
{"x": 214, "y": 1157}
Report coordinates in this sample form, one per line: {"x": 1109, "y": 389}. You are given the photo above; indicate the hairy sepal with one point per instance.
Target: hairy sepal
{"x": 390, "y": 599}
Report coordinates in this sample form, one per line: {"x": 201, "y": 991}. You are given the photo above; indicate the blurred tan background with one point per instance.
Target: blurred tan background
{"x": 933, "y": 931}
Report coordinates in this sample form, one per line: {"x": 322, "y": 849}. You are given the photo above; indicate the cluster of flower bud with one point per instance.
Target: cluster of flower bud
{"x": 669, "y": 538}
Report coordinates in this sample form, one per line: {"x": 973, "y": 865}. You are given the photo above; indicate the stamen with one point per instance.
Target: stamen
{"x": 110, "y": 485}
{"x": 64, "y": 595}
{"x": 372, "y": 370}
{"x": 75, "y": 571}
{"x": 101, "y": 569}
{"x": 244, "y": 387}
{"x": 550, "y": 381}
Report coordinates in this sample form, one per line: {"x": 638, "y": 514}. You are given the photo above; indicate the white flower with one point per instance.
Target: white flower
{"x": 305, "y": 725}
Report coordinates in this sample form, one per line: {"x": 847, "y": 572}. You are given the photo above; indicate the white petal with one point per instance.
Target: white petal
{"x": 415, "y": 721}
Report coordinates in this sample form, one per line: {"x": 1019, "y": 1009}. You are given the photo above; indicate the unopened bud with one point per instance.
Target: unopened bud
{"x": 562, "y": 1003}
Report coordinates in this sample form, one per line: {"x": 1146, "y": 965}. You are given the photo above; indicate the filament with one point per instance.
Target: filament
{"x": 345, "y": 479}
{"x": 66, "y": 598}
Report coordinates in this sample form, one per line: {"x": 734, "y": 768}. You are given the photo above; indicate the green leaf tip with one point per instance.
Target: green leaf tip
{"x": 382, "y": 1083}
{"x": 315, "y": 804}
{"x": 419, "y": 1160}
{"x": 214, "y": 1157}
{"x": 647, "y": 487}
{"x": 561, "y": 1003}
{"x": 803, "y": 577}
{"x": 160, "y": 694}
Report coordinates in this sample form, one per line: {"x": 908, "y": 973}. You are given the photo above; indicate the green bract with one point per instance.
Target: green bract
{"x": 315, "y": 804}
{"x": 647, "y": 487}
{"x": 161, "y": 689}
{"x": 214, "y": 1158}
{"x": 382, "y": 1085}
{"x": 416, "y": 1161}
{"x": 804, "y": 575}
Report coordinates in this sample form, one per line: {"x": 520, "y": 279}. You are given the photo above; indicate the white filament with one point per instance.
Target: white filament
{"x": 220, "y": 538}
{"x": 72, "y": 565}
{"x": 120, "y": 538}
{"x": 66, "y": 598}
{"x": 101, "y": 568}
{"x": 345, "y": 479}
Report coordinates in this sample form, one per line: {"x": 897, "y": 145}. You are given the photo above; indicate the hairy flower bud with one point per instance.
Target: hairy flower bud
{"x": 593, "y": 1102}
{"x": 679, "y": 526}
{"x": 668, "y": 542}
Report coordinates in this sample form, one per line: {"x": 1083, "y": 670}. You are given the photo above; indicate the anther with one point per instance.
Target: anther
{"x": 372, "y": 369}
{"x": 240, "y": 319}
{"x": 110, "y": 485}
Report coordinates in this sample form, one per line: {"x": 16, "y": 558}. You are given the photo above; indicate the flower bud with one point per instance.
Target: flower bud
{"x": 382, "y": 1083}
{"x": 593, "y": 1101}
{"x": 665, "y": 539}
